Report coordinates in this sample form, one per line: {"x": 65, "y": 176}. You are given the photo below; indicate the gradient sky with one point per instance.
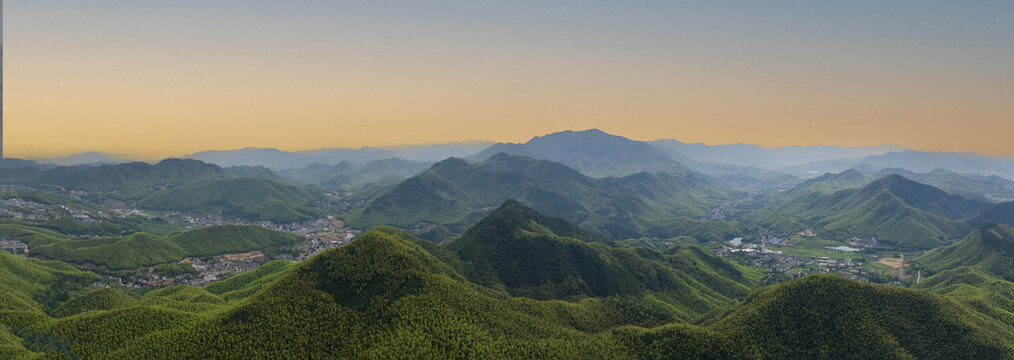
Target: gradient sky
{"x": 160, "y": 78}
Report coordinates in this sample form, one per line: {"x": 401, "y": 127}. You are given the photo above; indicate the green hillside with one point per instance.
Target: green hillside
{"x": 829, "y": 317}
{"x": 526, "y": 254}
{"x": 143, "y": 249}
{"x": 989, "y": 248}
{"x": 456, "y": 193}
{"x": 94, "y": 300}
{"x": 247, "y": 198}
{"x": 896, "y": 210}
{"x": 388, "y": 294}
{"x": 248, "y": 283}
{"x": 773, "y": 220}
{"x": 957, "y": 183}
{"x": 113, "y": 177}
{"x": 383, "y": 295}
{"x": 796, "y": 198}
{"x": 33, "y": 285}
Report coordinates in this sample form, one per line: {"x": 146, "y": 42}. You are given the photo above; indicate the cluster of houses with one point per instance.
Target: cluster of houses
{"x": 13, "y": 246}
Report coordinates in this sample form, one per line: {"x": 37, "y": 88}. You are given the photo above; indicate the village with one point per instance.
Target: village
{"x": 321, "y": 234}
{"x": 804, "y": 253}
{"x": 203, "y": 271}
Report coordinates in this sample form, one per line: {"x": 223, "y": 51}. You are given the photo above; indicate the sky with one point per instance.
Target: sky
{"x": 167, "y": 78}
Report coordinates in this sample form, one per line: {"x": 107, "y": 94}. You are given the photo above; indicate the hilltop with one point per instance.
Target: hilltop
{"x": 527, "y": 254}
{"x": 390, "y": 294}
{"x": 825, "y": 316}
{"x": 594, "y": 153}
{"x": 896, "y": 210}
{"x": 454, "y": 193}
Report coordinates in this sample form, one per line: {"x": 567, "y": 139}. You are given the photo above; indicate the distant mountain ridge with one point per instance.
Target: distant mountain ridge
{"x": 915, "y": 161}
{"x": 348, "y": 174}
{"x": 770, "y": 158}
{"x": 282, "y": 160}
{"x": 594, "y": 153}
{"x": 87, "y": 158}
{"x": 108, "y": 177}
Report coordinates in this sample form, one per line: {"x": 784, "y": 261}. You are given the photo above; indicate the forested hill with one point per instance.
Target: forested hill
{"x": 990, "y": 248}
{"x": 139, "y": 250}
{"x": 247, "y": 198}
{"x": 527, "y": 254}
{"x": 829, "y": 317}
{"x": 387, "y": 294}
{"x": 897, "y": 211}
{"x": 456, "y": 193}
{"x": 110, "y": 177}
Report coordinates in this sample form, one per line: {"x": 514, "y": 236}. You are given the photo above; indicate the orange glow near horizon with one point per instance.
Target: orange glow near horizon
{"x": 159, "y": 93}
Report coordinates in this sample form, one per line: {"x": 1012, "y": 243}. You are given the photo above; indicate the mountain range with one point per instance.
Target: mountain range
{"x": 351, "y": 175}
{"x": 283, "y": 160}
{"x": 388, "y": 293}
{"x": 598, "y": 154}
{"x": 455, "y": 193}
{"x": 594, "y": 153}
{"x": 770, "y": 158}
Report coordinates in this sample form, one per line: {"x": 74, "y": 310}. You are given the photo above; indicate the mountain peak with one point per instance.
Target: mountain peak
{"x": 512, "y": 215}
{"x": 595, "y": 153}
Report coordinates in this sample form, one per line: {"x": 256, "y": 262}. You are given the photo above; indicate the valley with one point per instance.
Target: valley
{"x": 317, "y": 179}
{"x": 508, "y": 255}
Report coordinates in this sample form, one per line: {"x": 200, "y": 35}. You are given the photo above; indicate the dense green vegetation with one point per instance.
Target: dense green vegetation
{"x": 113, "y": 177}
{"x": 247, "y": 198}
{"x": 702, "y": 231}
{"x": 456, "y": 193}
{"x": 526, "y": 254}
{"x": 796, "y": 198}
{"x": 248, "y": 283}
{"x": 773, "y": 220}
{"x": 388, "y": 294}
{"x": 252, "y": 193}
{"x": 94, "y": 300}
{"x": 143, "y": 249}
{"x": 834, "y": 318}
{"x": 516, "y": 283}
{"x": 990, "y": 249}
{"x": 898, "y": 211}
{"x": 30, "y": 284}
